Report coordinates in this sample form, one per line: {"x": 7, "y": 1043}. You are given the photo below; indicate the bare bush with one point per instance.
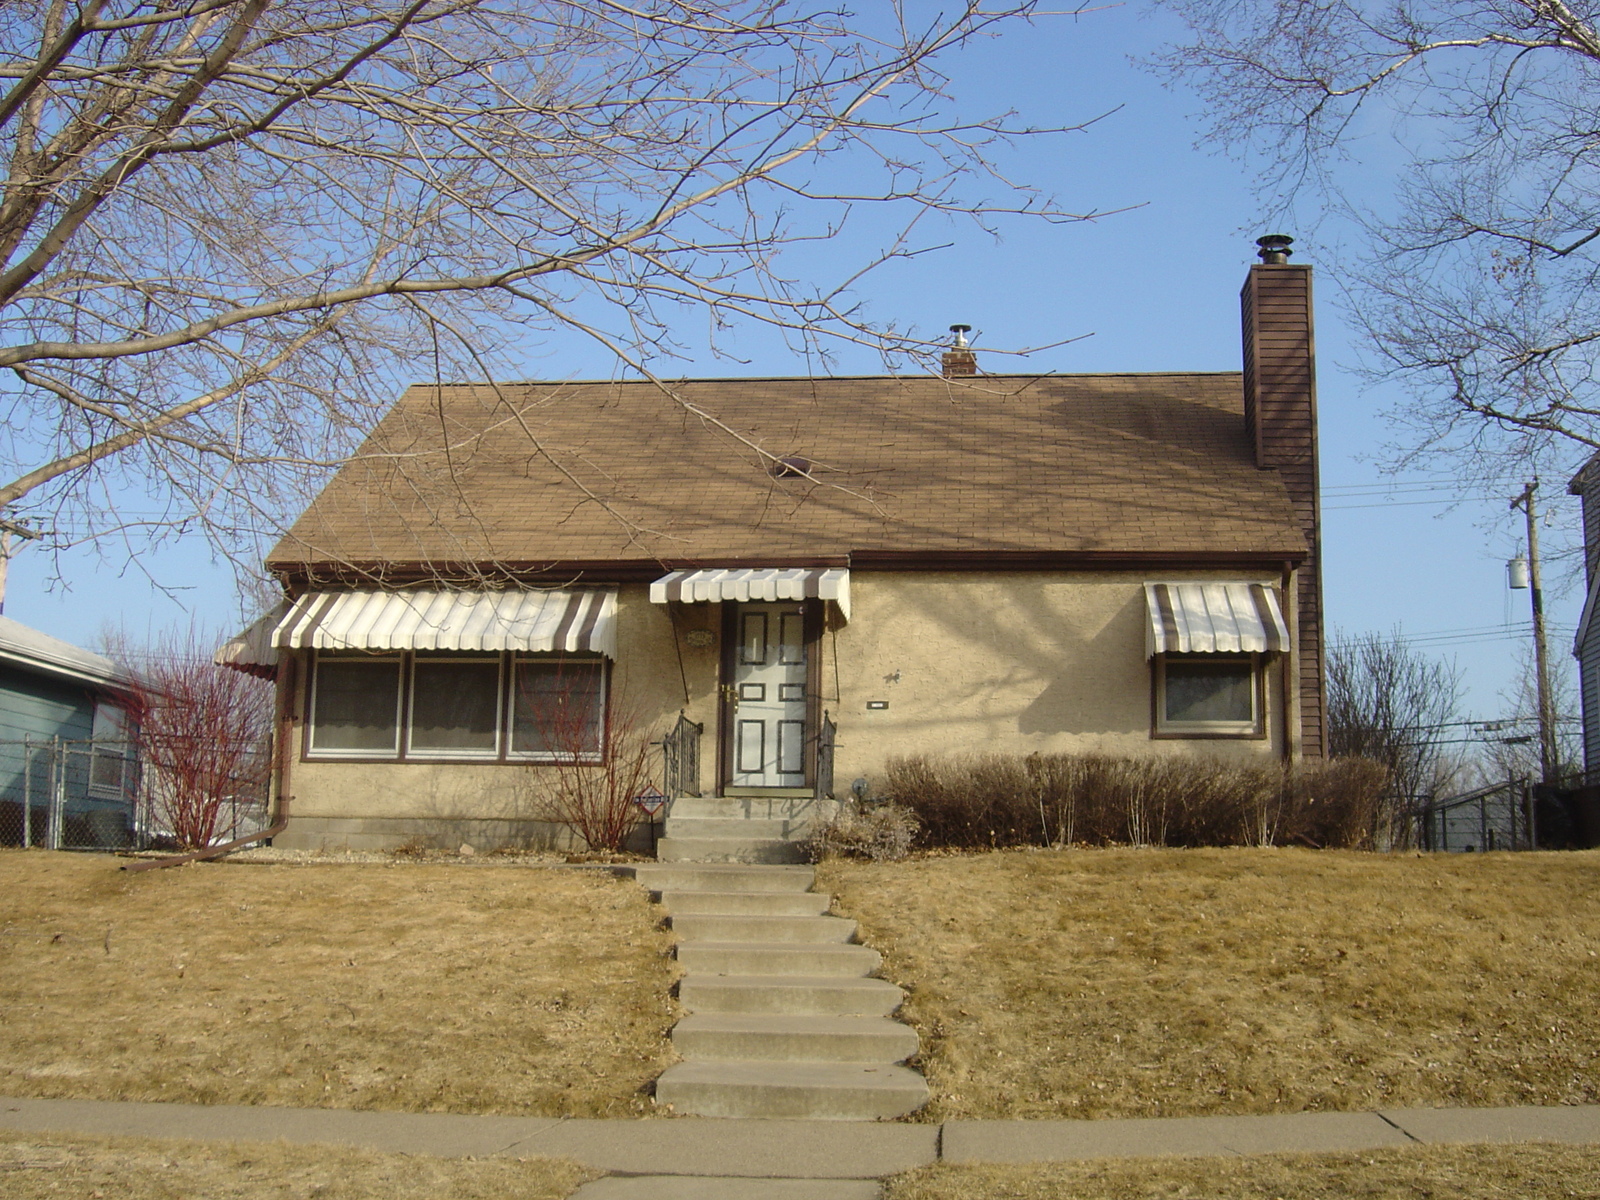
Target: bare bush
{"x": 203, "y": 734}
{"x": 593, "y": 759}
{"x": 1093, "y": 799}
{"x": 881, "y": 833}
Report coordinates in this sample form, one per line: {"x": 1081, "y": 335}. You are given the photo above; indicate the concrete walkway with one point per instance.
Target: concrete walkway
{"x": 801, "y": 1150}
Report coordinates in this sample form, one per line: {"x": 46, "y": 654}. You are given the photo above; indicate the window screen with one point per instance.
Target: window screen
{"x": 558, "y": 707}
{"x": 455, "y": 708}
{"x": 356, "y": 706}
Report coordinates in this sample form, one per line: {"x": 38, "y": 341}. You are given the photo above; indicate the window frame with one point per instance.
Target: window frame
{"x": 1161, "y": 727}
{"x": 410, "y": 753}
{"x": 310, "y": 749}
{"x": 506, "y": 662}
{"x": 595, "y": 756}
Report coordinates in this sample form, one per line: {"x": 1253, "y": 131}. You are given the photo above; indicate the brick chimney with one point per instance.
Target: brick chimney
{"x": 1280, "y": 414}
{"x": 959, "y": 360}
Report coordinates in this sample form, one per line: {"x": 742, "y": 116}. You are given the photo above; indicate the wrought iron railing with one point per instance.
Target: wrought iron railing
{"x": 826, "y": 739}
{"x": 680, "y": 755}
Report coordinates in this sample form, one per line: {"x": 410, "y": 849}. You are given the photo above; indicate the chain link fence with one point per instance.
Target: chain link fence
{"x": 65, "y": 794}
{"x": 92, "y": 794}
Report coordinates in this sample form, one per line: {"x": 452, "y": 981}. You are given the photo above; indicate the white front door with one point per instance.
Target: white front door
{"x": 768, "y": 696}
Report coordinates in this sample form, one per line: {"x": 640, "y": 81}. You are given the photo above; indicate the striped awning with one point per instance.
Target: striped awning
{"x": 253, "y": 651}
{"x": 570, "y": 621}
{"x": 1213, "y": 618}
{"x": 755, "y": 583}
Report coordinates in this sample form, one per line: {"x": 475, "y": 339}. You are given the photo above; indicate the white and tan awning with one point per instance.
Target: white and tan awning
{"x": 569, "y": 621}
{"x": 253, "y": 651}
{"x": 1213, "y": 618}
{"x": 755, "y": 583}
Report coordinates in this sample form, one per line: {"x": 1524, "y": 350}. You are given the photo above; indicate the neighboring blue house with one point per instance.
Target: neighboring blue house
{"x": 65, "y": 758}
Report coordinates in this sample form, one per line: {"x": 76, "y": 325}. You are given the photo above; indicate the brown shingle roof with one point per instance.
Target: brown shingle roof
{"x": 587, "y": 472}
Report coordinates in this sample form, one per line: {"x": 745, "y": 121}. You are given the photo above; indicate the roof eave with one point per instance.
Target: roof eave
{"x": 299, "y": 576}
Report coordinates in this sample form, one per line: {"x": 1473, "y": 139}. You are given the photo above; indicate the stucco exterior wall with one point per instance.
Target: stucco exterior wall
{"x": 1006, "y": 663}
{"x": 992, "y": 662}
{"x": 367, "y": 804}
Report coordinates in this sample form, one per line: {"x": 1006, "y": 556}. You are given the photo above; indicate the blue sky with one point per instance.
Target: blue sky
{"x": 1155, "y": 287}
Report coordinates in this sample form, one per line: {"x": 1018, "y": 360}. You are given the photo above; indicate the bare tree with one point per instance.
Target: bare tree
{"x": 1511, "y": 751}
{"x": 1475, "y": 288}
{"x": 230, "y": 228}
{"x": 203, "y": 734}
{"x": 1393, "y": 705}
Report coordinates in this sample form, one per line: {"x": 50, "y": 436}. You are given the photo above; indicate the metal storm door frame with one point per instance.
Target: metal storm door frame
{"x": 769, "y": 707}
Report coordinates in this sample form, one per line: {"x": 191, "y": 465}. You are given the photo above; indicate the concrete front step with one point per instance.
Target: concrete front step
{"x": 806, "y": 808}
{"x": 817, "y": 995}
{"x": 771, "y": 1037}
{"x": 728, "y": 850}
{"x": 818, "y": 1091}
{"x": 725, "y": 927}
{"x": 724, "y": 877}
{"x": 722, "y": 1187}
{"x": 755, "y": 958}
{"x": 782, "y": 829}
{"x": 762, "y": 904}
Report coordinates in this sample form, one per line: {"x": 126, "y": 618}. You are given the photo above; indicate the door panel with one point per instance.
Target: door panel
{"x": 768, "y": 696}
{"x": 752, "y": 750}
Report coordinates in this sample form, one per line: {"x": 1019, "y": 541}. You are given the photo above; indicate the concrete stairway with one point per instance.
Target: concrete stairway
{"x": 784, "y": 1017}
{"x": 742, "y": 829}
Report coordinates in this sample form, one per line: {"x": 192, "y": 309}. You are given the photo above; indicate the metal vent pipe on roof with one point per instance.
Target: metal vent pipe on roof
{"x": 959, "y": 360}
{"x": 1274, "y": 248}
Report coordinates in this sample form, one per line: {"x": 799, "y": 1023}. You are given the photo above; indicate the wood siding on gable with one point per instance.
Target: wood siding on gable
{"x": 1589, "y": 691}
{"x": 1280, "y": 408}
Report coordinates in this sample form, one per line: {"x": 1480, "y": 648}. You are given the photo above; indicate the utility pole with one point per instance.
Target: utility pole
{"x": 1547, "y": 716}
{"x": 8, "y": 529}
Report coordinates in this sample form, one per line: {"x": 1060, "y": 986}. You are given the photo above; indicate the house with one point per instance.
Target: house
{"x": 792, "y": 580}
{"x": 68, "y": 769}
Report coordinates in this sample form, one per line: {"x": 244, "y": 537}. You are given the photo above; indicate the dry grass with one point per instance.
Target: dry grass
{"x": 40, "y": 1166}
{"x": 411, "y": 987}
{"x": 1532, "y": 1172}
{"x": 1110, "y": 983}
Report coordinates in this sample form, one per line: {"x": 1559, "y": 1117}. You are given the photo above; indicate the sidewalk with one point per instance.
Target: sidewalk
{"x": 802, "y": 1149}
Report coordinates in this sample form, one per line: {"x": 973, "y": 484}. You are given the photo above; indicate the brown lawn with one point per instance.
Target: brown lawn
{"x": 1414, "y": 1173}
{"x": 47, "y": 1167}
{"x": 1133, "y": 983}
{"x": 411, "y": 987}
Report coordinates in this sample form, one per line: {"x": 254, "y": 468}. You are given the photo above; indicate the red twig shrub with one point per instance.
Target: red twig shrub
{"x": 203, "y": 734}
{"x": 594, "y": 759}
{"x": 1061, "y": 799}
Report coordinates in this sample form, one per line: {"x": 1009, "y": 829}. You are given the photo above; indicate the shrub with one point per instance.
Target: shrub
{"x": 203, "y": 734}
{"x": 595, "y": 764}
{"x": 1061, "y": 799}
{"x": 883, "y": 833}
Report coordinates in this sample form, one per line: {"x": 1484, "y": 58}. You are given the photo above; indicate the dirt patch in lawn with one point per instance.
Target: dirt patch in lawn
{"x": 1141, "y": 983}
{"x": 39, "y": 1166}
{"x": 415, "y": 988}
{"x": 1435, "y": 1172}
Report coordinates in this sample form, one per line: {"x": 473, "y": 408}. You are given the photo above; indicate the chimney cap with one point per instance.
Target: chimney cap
{"x": 961, "y": 332}
{"x": 1274, "y": 248}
